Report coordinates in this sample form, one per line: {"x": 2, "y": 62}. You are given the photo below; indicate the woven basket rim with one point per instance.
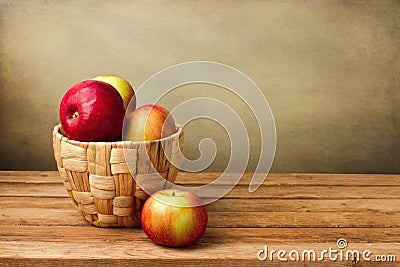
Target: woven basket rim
{"x": 57, "y": 132}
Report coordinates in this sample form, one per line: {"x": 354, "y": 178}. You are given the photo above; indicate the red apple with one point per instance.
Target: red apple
{"x": 149, "y": 122}
{"x": 92, "y": 111}
{"x": 174, "y": 218}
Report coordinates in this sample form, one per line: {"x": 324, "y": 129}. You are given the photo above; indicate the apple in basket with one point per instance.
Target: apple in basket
{"x": 174, "y": 218}
{"x": 92, "y": 111}
{"x": 149, "y": 122}
{"x": 123, "y": 87}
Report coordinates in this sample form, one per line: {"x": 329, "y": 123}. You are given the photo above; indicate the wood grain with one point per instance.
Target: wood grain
{"x": 311, "y": 179}
{"x": 239, "y": 191}
{"x": 55, "y": 216}
{"x": 226, "y": 204}
{"x": 39, "y": 225}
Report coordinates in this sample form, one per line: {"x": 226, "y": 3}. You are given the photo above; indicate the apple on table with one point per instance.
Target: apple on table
{"x": 174, "y": 218}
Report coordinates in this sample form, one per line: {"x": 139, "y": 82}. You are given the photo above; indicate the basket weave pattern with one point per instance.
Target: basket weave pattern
{"x": 99, "y": 182}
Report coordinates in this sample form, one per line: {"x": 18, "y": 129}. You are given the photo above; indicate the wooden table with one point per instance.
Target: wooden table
{"x": 295, "y": 213}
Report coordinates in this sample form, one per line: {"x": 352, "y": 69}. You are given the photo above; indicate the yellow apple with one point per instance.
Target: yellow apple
{"x": 123, "y": 87}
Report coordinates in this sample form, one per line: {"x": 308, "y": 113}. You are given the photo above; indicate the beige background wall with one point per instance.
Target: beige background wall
{"x": 329, "y": 69}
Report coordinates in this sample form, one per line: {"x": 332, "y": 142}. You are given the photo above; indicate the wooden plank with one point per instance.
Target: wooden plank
{"x": 40, "y": 226}
{"x": 315, "y": 192}
{"x": 36, "y": 202}
{"x": 33, "y": 190}
{"x": 314, "y": 179}
{"x": 203, "y": 252}
{"x": 169, "y": 262}
{"x": 306, "y": 205}
{"x": 204, "y": 178}
{"x": 41, "y": 216}
{"x": 304, "y": 219}
{"x": 240, "y": 191}
{"x": 245, "y": 205}
{"x": 213, "y": 175}
{"x": 28, "y": 173}
{"x": 70, "y": 216}
{"x": 92, "y": 234}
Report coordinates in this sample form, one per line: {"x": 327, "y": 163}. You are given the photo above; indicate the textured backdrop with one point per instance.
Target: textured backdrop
{"x": 329, "y": 69}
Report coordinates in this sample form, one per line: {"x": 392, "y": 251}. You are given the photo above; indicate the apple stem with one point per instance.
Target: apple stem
{"x": 173, "y": 193}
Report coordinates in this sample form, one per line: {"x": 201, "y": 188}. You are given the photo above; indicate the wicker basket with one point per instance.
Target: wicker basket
{"x": 97, "y": 178}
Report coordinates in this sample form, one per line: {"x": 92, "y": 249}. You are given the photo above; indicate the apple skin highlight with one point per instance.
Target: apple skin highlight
{"x": 92, "y": 111}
